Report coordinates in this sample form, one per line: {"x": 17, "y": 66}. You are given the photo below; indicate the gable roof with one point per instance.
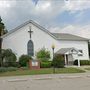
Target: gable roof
{"x": 65, "y": 36}
{"x": 26, "y": 23}
{"x": 58, "y": 36}
{"x": 65, "y": 50}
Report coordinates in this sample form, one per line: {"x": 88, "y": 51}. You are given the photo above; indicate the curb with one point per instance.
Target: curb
{"x": 48, "y": 78}
{"x": 44, "y": 78}
{"x": 69, "y": 77}
{"x": 17, "y": 80}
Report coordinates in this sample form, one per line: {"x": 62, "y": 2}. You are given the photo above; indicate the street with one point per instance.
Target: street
{"x": 45, "y": 82}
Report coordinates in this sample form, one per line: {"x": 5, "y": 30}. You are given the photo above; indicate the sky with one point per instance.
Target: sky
{"x": 59, "y": 16}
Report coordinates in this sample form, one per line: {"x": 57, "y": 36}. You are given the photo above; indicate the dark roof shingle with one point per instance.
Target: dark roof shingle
{"x": 65, "y": 36}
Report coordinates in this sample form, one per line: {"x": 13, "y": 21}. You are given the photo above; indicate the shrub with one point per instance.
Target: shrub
{"x": 58, "y": 61}
{"x": 4, "y": 69}
{"x": 46, "y": 64}
{"x": 10, "y": 64}
{"x": 23, "y": 60}
{"x": 8, "y": 58}
{"x": 43, "y": 54}
{"x": 82, "y": 62}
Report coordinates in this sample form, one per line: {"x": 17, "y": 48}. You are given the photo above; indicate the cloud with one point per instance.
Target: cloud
{"x": 83, "y": 31}
{"x": 46, "y": 12}
{"x": 77, "y": 5}
{"x": 21, "y": 11}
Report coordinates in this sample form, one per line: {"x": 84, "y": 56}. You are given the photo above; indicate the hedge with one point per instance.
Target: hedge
{"x": 82, "y": 62}
{"x": 4, "y": 69}
{"x": 47, "y": 64}
{"x": 10, "y": 64}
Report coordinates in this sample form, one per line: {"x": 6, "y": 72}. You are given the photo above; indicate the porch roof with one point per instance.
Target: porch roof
{"x": 65, "y": 50}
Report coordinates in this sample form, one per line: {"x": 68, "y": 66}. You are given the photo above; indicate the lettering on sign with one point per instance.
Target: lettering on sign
{"x": 34, "y": 63}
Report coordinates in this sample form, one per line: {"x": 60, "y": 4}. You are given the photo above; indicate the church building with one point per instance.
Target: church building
{"x": 30, "y": 37}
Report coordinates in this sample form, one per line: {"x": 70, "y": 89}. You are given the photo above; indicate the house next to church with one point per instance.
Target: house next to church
{"x": 30, "y": 37}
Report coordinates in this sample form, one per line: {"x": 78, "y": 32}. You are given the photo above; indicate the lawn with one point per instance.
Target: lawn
{"x": 87, "y": 68}
{"x": 41, "y": 71}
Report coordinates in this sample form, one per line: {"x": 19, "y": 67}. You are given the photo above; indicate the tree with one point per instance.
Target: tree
{"x": 89, "y": 48}
{"x": 2, "y": 27}
{"x": 58, "y": 61}
{"x": 8, "y": 58}
{"x": 1, "y": 56}
{"x": 2, "y": 32}
{"x": 24, "y": 59}
{"x": 43, "y": 54}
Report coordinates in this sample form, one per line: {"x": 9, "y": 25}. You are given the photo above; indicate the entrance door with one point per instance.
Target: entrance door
{"x": 70, "y": 59}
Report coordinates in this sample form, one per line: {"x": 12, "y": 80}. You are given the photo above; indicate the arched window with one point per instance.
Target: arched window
{"x": 30, "y": 48}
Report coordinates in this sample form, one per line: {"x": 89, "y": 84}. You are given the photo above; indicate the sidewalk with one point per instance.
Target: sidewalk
{"x": 46, "y": 76}
{"x": 51, "y": 76}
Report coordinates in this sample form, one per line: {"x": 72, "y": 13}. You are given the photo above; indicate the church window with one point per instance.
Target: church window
{"x": 30, "y": 48}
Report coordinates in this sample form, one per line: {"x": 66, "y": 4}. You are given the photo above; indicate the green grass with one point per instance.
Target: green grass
{"x": 87, "y": 68}
{"x": 42, "y": 71}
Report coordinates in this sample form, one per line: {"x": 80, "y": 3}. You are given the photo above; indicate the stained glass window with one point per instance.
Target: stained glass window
{"x": 30, "y": 48}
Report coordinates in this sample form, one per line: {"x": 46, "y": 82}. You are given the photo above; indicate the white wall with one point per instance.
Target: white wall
{"x": 18, "y": 40}
{"x": 80, "y": 45}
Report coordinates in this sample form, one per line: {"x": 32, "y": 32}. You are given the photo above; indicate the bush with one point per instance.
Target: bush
{"x": 23, "y": 60}
{"x": 58, "y": 61}
{"x": 82, "y": 62}
{"x": 4, "y": 69}
{"x": 10, "y": 64}
{"x": 43, "y": 55}
{"x": 46, "y": 64}
{"x": 8, "y": 58}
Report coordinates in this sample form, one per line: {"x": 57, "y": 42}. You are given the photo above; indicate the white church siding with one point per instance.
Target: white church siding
{"x": 17, "y": 41}
{"x": 42, "y": 39}
{"x": 80, "y": 45}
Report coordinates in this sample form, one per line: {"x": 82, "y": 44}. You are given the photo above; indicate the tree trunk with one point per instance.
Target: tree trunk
{"x": 0, "y": 44}
{"x": 1, "y": 59}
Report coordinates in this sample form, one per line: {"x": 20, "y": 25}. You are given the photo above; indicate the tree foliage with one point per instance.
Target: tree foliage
{"x": 7, "y": 57}
{"x": 43, "y": 54}
{"x": 58, "y": 61}
{"x": 23, "y": 60}
{"x": 2, "y": 32}
{"x": 89, "y": 48}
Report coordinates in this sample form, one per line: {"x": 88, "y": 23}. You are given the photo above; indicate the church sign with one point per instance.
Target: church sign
{"x": 34, "y": 64}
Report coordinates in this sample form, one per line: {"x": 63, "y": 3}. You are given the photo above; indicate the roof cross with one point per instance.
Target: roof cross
{"x": 30, "y": 31}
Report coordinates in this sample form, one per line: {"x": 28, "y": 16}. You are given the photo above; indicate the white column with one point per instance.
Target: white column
{"x": 65, "y": 59}
{"x": 78, "y": 63}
